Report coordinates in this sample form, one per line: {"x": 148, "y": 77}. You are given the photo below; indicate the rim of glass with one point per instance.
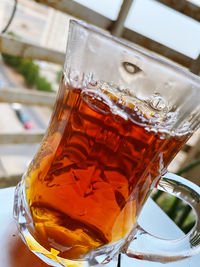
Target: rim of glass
{"x": 156, "y": 58}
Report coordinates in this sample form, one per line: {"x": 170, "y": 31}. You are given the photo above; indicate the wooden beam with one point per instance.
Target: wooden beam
{"x": 9, "y": 181}
{"x": 183, "y": 6}
{"x": 11, "y": 46}
{"x": 193, "y": 154}
{"x": 26, "y": 97}
{"x": 79, "y": 11}
{"x": 118, "y": 25}
{"x": 21, "y": 138}
{"x": 195, "y": 66}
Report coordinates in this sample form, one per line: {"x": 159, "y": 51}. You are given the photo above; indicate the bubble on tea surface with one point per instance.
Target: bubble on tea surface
{"x": 96, "y": 100}
{"x": 157, "y": 102}
{"x": 91, "y": 80}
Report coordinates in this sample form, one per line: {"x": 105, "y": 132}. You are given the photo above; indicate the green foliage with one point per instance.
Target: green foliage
{"x": 11, "y": 60}
{"x": 14, "y": 35}
{"x": 30, "y": 72}
{"x": 59, "y": 75}
{"x": 43, "y": 85}
{"x": 176, "y": 209}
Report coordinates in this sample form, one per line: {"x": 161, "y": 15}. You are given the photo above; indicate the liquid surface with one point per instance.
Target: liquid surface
{"x": 93, "y": 172}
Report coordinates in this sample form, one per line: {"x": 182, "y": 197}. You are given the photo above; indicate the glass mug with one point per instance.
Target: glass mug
{"x": 120, "y": 117}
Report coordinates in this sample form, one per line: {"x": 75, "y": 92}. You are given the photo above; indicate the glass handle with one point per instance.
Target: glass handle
{"x": 143, "y": 245}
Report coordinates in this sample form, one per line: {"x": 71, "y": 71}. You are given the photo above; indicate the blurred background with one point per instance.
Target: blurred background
{"x": 32, "y": 46}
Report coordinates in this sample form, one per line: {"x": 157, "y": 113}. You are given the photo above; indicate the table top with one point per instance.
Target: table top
{"x": 14, "y": 253}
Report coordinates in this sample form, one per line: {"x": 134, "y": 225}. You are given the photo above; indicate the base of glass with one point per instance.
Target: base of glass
{"x": 23, "y": 219}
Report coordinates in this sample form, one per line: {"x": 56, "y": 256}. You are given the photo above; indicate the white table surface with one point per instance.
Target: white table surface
{"x": 152, "y": 219}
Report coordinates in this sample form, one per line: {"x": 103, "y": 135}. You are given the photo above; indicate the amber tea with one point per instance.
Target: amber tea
{"x": 90, "y": 178}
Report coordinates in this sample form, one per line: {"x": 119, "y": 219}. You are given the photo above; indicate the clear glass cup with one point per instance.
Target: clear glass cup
{"x": 120, "y": 117}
